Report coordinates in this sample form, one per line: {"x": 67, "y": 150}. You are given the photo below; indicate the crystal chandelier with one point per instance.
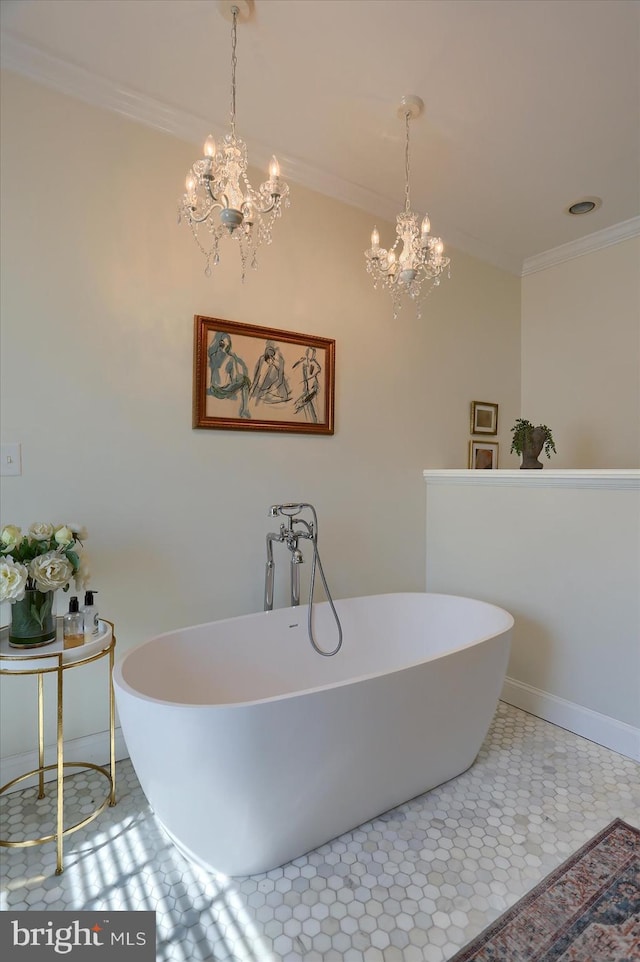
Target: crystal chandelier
{"x": 415, "y": 268}
{"x": 219, "y": 201}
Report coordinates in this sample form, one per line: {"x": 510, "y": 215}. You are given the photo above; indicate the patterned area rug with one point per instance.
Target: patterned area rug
{"x": 587, "y": 910}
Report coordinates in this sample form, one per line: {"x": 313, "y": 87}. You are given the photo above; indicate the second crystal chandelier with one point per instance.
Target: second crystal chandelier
{"x": 219, "y": 201}
{"x": 415, "y": 268}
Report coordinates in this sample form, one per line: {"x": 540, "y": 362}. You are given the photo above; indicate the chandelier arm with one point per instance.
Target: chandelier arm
{"x": 266, "y": 209}
{"x": 385, "y": 263}
{"x": 223, "y": 203}
{"x": 215, "y": 202}
{"x": 206, "y": 215}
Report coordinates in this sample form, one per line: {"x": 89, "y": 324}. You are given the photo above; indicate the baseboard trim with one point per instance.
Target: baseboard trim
{"x": 89, "y": 748}
{"x": 602, "y": 729}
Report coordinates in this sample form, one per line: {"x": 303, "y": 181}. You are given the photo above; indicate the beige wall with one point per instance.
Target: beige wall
{"x": 99, "y": 291}
{"x": 581, "y": 356}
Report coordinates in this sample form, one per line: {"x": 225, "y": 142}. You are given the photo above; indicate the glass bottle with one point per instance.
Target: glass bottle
{"x": 73, "y": 625}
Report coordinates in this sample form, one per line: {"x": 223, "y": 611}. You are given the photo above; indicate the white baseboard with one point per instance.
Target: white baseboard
{"x": 602, "y": 729}
{"x": 89, "y": 748}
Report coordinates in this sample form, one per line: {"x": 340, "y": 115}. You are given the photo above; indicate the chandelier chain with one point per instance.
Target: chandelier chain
{"x": 234, "y": 62}
{"x": 407, "y": 199}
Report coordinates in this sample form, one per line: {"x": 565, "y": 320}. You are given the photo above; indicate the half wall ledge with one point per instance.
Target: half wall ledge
{"x": 609, "y": 478}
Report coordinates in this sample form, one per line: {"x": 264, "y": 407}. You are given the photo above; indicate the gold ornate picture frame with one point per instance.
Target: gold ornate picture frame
{"x": 250, "y": 378}
{"x": 484, "y": 417}
{"x": 483, "y": 455}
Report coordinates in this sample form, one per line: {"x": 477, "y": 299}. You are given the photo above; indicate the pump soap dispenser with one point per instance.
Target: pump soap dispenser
{"x": 73, "y": 626}
{"x": 90, "y": 612}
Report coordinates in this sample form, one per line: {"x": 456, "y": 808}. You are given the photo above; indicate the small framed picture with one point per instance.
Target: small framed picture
{"x": 483, "y": 455}
{"x": 484, "y": 417}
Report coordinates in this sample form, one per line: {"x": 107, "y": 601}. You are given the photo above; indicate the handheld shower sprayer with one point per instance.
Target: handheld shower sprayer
{"x": 290, "y": 535}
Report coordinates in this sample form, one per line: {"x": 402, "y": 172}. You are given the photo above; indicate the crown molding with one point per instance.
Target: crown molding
{"x": 75, "y": 81}
{"x": 584, "y": 245}
{"x": 82, "y": 84}
{"x": 610, "y": 478}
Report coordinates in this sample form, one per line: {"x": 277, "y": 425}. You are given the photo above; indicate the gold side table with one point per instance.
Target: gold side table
{"x": 42, "y": 661}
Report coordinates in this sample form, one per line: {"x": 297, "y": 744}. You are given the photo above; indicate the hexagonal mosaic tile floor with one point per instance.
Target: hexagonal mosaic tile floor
{"x": 414, "y": 885}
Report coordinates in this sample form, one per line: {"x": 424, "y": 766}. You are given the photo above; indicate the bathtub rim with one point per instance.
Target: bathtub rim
{"x": 120, "y": 682}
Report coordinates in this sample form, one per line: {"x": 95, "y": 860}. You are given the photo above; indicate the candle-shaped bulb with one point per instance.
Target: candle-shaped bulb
{"x": 375, "y": 239}
{"x": 392, "y": 258}
{"x": 274, "y": 169}
{"x": 426, "y": 225}
{"x": 439, "y": 246}
{"x": 210, "y": 147}
{"x": 190, "y": 183}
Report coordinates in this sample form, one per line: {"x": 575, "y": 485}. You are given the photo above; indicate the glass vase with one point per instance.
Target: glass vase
{"x": 33, "y": 622}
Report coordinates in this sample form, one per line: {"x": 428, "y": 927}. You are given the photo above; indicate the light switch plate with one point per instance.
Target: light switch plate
{"x": 10, "y": 459}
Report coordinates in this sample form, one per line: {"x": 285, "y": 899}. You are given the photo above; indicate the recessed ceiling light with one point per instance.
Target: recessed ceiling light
{"x": 584, "y": 206}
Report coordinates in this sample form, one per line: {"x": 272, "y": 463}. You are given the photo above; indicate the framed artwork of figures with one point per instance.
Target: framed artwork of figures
{"x": 249, "y": 378}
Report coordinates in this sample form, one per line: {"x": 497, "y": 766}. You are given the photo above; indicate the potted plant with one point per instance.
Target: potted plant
{"x": 528, "y": 441}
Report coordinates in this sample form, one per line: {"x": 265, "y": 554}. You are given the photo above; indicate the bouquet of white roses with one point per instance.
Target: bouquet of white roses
{"x": 46, "y": 558}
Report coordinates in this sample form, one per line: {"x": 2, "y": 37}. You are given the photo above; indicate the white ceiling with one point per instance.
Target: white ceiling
{"x": 530, "y": 104}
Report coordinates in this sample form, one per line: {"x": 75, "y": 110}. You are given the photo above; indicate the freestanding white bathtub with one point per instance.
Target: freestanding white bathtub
{"x": 252, "y": 749}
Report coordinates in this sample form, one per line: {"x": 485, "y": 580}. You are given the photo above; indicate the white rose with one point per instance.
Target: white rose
{"x": 79, "y": 531}
{"x": 50, "y": 571}
{"x": 83, "y": 575}
{"x": 64, "y": 535}
{"x": 13, "y": 578}
{"x": 41, "y": 530}
{"x": 10, "y": 536}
